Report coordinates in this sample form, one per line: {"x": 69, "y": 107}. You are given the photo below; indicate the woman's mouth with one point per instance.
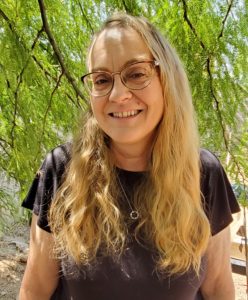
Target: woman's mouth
{"x": 125, "y": 114}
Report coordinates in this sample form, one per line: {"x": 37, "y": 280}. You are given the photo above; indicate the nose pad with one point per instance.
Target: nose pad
{"x": 119, "y": 92}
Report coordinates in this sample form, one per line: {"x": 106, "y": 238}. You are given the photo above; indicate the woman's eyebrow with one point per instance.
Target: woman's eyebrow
{"x": 127, "y": 63}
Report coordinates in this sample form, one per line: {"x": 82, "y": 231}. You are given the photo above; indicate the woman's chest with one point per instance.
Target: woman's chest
{"x": 132, "y": 277}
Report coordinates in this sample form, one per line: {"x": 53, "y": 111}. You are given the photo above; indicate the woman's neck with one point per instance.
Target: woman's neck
{"x": 131, "y": 157}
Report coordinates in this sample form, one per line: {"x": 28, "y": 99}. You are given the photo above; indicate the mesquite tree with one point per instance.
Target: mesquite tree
{"x": 42, "y": 56}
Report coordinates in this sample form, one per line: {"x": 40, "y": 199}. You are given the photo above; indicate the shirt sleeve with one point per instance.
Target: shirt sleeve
{"x": 45, "y": 184}
{"x": 219, "y": 200}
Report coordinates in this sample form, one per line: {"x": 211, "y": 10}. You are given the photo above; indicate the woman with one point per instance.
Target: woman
{"x": 138, "y": 211}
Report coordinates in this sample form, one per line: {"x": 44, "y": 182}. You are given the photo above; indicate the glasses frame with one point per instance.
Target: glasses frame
{"x": 154, "y": 63}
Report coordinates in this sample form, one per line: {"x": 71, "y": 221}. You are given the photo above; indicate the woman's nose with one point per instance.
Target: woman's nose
{"x": 119, "y": 93}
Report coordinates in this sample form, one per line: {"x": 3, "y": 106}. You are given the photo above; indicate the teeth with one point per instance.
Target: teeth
{"x": 125, "y": 114}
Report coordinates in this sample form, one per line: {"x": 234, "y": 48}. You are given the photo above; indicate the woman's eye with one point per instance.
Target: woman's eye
{"x": 101, "y": 81}
{"x": 136, "y": 74}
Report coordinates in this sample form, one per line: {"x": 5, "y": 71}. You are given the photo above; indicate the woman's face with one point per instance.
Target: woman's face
{"x": 128, "y": 117}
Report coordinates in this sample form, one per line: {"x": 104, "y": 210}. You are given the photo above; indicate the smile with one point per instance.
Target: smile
{"x": 125, "y": 114}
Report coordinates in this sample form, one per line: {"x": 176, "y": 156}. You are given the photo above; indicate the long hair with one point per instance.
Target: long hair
{"x": 85, "y": 216}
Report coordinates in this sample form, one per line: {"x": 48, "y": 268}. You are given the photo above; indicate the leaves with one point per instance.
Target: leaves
{"x": 40, "y": 91}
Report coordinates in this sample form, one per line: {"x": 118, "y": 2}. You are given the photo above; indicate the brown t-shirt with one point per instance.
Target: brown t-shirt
{"x": 134, "y": 276}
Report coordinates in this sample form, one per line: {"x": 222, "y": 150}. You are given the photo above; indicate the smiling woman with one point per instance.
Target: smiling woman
{"x": 132, "y": 209}
{"x": 137, "y": 89}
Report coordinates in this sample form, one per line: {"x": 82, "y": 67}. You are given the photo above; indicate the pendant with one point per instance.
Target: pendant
{"x": 134, "y": 215}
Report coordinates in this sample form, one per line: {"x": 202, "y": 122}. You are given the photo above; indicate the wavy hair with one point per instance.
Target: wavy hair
{"x": 85, "y": 216}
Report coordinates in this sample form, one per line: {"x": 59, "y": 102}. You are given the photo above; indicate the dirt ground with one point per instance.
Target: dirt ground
{"x": 13, "y": 258}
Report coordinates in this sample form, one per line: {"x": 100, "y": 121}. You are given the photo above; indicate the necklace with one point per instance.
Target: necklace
{"x": 134, "y": 214}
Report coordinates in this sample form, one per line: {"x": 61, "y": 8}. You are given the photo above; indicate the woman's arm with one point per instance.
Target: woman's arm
{"x": 218, "y": 283}
{"x": 41, "y": 275}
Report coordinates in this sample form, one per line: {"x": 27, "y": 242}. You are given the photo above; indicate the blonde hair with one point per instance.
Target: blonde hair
{"x": 85, "y": 215}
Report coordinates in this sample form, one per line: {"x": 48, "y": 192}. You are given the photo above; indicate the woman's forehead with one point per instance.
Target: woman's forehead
{"x": 115, "y": 46}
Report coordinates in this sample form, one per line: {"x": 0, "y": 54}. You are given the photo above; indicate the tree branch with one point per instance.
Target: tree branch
{"x": 37, "y": 37}
{"x": 50, "y": 101}
{"x": 49, "y": 75}
{"x": 3, "y": 144}
{"x": 77, "y": 104}
{"x": 56, "y": 49}
{"x": 225, "y": 18}
{"x": 85, "y": 17}
{"x": 216, "y": 101}
{"x": 208, "y": 64}
{"x": 47, "y": 110}
{"x": 6, "y": 19}
{"x": 14, "y": 125}
{"x": 12, "y": 29}
{"x": 34, "y": 58}
{"x": 217, "y": 105}
{"x": 126, "y": 7}
{"x": 186, "y": 18}
{"x": 19, "y": 80}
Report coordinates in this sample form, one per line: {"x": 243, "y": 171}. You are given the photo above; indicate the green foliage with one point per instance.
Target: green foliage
{"x": 40, "y": 103}
{"x": 8, "y": 209}
{"x": 241, "y": 193}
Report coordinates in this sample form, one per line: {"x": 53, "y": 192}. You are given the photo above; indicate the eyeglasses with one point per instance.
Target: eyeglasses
{"x": 135, "y": 76}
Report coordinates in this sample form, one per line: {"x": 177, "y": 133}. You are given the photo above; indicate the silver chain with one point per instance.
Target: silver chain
{"x": 134, "y": 214}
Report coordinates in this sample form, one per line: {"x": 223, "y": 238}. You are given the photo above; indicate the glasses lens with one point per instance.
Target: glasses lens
{"x": 98, "y": 83}
{"x": 137, "y": 76}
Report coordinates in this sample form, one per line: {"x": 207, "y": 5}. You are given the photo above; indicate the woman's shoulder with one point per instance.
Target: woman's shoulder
{"x": 211, "y": 167}
{"x": 58, "y": 157}
{"x": 213, "y": 174}
{"x": 218, "y": 198}
{"x": 209, "y": 160}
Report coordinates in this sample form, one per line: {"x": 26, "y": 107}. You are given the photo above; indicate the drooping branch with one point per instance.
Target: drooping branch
{"x": 19, "y": 81}
{"x": 46, "y": 73}
{"x": 225, "y": 18}
{"x": 16, "y": 34}
{"x": 85, "y": 17}
{"x": 4, "y": 141}
{"x": 242, "y": 89}
{"x": 186, "y": 18}
{"x": 217, "y": 103}
{"x": 126, "y": 7}
{"x": 35, "y": 59}
{"x": 50, "y": 76}
{"x": 14, "y": 125}
{"x": 13, "y": 30}
{"x": 4, "y": 144}
{"x": 56, "y": 49}
{"x": 50, "y": 101}
{"x": 48, "y": 109}
{"x": 14, "y": 122}
{"x": 37, "y": 37}
{"x": 208, "y": 67}
{"x": 19, "y": 77}
{"x": 18, "y": 37}
{"x": 77, "y": 103}
{"x": 217, "y": 106}
{"x": 6, "y": 19}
